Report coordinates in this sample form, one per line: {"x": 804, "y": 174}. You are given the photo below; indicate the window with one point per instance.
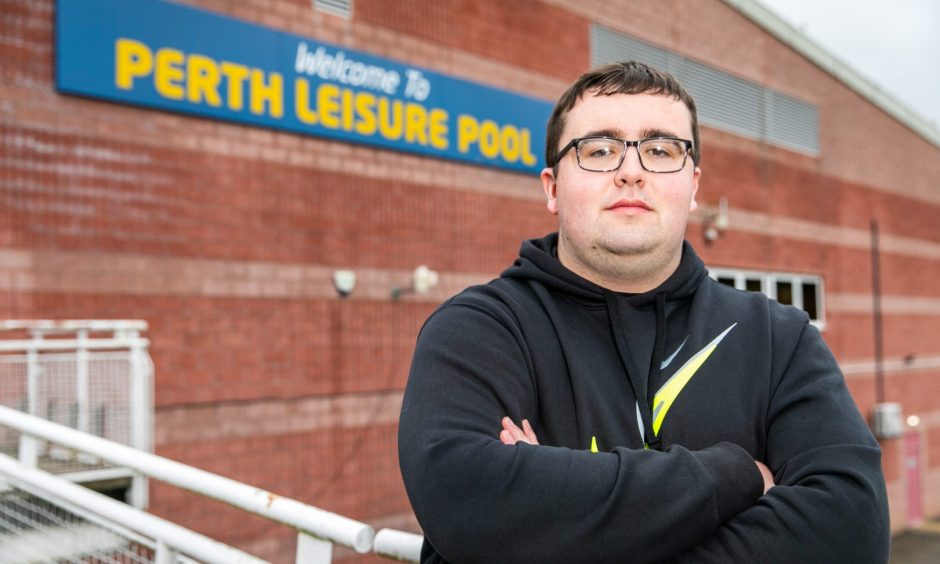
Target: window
{"x": 800, "y": 290}
{"x": 752, "y": 284}
{"x": 726, "y": 280}
{"x": 785, "y": 292}
{"x": 810, "y": 290}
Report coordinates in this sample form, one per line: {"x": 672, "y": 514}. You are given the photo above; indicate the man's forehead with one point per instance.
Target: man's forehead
{"x": 630, "y": 113}
{"x": 598, "y": 95}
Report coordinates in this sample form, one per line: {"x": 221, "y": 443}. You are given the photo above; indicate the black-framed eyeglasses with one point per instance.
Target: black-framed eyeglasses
{"x": 604, "y": 154}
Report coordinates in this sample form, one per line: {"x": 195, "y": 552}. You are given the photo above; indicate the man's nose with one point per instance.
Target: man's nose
{"x": 631, "y": 171}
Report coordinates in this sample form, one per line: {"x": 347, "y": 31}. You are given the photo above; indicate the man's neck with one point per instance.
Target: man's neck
{"x": 633, "y": 274}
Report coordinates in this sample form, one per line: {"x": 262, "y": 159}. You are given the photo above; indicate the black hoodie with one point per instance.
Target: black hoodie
{"x": 650, "y": 409}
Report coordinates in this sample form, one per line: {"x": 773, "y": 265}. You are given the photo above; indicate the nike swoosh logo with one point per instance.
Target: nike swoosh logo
{"x": 672, "y": 357}
{"x": 667, "y": 394}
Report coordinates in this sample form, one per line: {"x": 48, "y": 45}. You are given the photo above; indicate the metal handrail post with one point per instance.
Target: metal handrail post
{"x": 141, "y": 407}
{"x": 165, "y": 555}
{"x": 81, "y": 381}
{"x": 29, "y": 446}
{"x": 83, "y": 389}
{"x": 311, "y": 550}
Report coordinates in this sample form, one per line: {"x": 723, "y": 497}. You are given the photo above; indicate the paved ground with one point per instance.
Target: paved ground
{"x": 920, "y": 546}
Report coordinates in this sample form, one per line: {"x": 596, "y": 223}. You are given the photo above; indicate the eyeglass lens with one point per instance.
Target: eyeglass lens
{"x": 600, "y": 154}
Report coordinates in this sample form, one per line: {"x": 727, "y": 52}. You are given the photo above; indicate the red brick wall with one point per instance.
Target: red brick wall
{"x": 523, "y": 33}
{"x": 223, "y": 237}
{"x": 75, "y": 192}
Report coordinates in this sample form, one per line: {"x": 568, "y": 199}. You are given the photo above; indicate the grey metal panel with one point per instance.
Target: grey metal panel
{"x": 793, "y": 123}
{"x": 724, "y": 101}
{"x": 608, "y": 46}
{"x": 338, "y": 7}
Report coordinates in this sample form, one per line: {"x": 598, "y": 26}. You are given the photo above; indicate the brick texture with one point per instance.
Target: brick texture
{"x": 222, "y": 237}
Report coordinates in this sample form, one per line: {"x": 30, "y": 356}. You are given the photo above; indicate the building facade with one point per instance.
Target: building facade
{"x": 224, "y": 233}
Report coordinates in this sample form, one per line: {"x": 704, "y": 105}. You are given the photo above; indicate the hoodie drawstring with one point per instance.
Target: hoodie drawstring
{"x": 640, "y": 388}
{"x": 659, "y": 352}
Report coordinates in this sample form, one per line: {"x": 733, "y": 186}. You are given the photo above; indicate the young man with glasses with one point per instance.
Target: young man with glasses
{"x": 664, "y": 417}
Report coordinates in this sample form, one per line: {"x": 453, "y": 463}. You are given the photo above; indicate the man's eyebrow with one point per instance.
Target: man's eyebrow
{"x": 604, "y": 133}
{"x": 617, "y": 133}
{"x": 654, "y": 132}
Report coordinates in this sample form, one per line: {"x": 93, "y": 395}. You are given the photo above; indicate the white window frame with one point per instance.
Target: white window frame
{"x": 768, "y": 284}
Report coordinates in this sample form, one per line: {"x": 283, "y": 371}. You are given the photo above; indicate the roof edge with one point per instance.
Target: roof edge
{"x": 785, "y": 32}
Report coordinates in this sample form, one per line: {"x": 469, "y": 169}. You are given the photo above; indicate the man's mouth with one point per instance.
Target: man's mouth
{"x": 627, "y": 205}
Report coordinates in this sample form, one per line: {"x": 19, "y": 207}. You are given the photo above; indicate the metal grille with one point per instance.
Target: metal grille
{"x": 724, "y": 101}
{"x": 793, "y": 123}
{"x": 97, "y": 403}
{"x": 336, "y": 7}
{"x": 608, "y": 46}
{"x": 35, "y": 530}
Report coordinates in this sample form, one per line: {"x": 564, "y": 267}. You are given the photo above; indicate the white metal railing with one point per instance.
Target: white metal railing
{"x": 399, "y": 545}
{"x": 82, "y": 345}
{"x": 93, "y": 375}
{"x": 317, "y": 529}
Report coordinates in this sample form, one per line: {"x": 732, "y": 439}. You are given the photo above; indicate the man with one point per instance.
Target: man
{"x": 658, "y": 408}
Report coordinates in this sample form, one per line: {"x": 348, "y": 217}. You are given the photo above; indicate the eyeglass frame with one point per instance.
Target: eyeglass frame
{"x": 626, "y": 145}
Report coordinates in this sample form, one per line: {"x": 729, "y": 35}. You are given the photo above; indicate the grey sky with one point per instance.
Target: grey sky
{"x": 893, "y": 43}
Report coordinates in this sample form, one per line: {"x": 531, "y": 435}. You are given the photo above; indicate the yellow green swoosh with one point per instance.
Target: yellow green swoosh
{"x": 667, "y": 394}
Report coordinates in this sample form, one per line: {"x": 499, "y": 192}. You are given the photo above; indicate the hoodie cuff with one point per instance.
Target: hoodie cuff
{"x": 738, "y": 482}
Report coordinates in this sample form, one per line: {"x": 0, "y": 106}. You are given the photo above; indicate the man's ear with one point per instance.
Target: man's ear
{"x": 550, "y": 187}
{"x": 693, "y": 205}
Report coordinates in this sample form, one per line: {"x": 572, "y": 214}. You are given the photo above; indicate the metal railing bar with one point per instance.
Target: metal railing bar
{"x": 100, "y": 474}
{"x": 71, "y": 325}
{"x": 315, "y": 521}
{"x": 73, "y": 344}
{"x": 399, "y": 545}
{"x": 92, "y": 517}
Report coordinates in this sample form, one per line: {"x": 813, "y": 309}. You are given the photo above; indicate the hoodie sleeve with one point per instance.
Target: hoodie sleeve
{"x": 830, "y": 503}
{"x": 478, "y": 500}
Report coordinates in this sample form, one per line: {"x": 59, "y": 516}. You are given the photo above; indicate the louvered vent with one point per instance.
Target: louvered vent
{"x": 723, "y": 100}
{"x": 336, "y": 7}
{"x": 793, "y": 123}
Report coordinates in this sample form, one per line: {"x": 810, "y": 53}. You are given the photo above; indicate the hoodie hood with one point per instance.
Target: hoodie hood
{"x": 638, "y": 322}
{"x": 538, "y": 261}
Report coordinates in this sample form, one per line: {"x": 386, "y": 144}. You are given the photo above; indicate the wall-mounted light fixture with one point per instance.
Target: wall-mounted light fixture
{"x": 422, "y": 280}
{"x": 716, "y": 222}
{"x": 344, "y": 281}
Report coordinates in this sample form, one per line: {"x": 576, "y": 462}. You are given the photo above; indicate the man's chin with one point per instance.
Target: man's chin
{"x": 629, "y": 248}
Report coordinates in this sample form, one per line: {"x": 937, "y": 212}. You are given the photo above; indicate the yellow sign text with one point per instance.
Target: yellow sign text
{"x": 509, "y": 142}
{"x": 198, "y": 79}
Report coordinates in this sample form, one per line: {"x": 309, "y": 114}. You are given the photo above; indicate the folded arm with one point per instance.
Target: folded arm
{"x": 512, "y": 434}
{"x": 479, "y": 500}
{"x": 830, "y": 503}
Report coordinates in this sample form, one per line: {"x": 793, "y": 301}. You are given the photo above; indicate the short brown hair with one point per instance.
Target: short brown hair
{"x": 625, "y": 77}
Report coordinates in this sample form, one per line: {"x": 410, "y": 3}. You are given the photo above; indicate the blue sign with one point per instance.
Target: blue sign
{"x": 167, "y": 56}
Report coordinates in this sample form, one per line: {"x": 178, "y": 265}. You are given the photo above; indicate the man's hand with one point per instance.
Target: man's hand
{"x": 512, "y": 434}
{"x": 765, "y": 473}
